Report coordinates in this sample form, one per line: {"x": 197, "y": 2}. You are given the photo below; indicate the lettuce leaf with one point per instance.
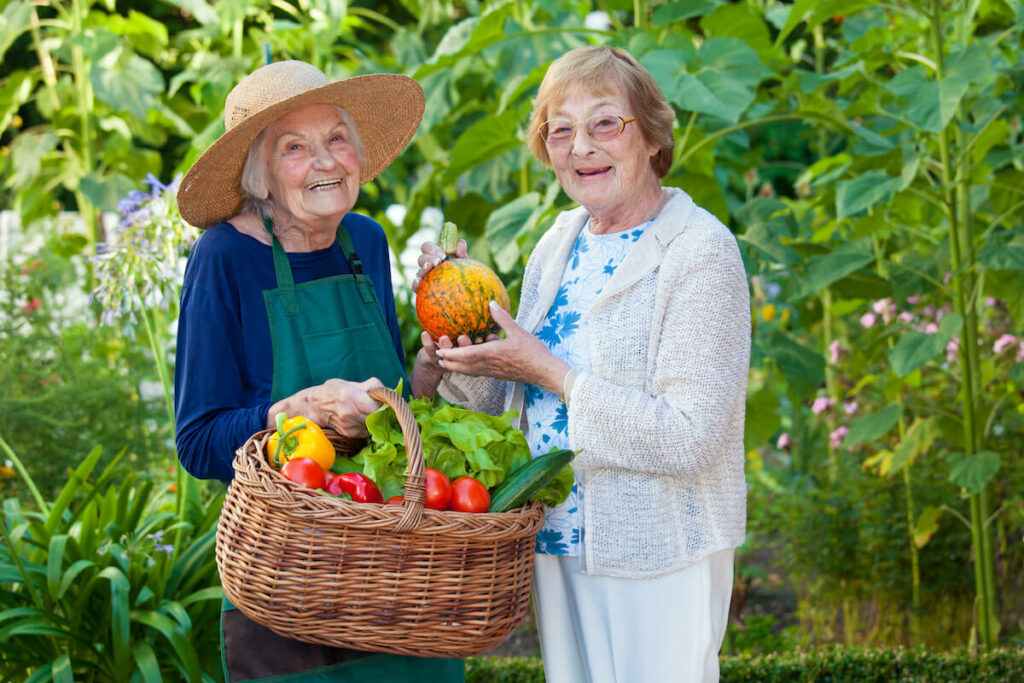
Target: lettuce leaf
{"x": 457, "y": 441}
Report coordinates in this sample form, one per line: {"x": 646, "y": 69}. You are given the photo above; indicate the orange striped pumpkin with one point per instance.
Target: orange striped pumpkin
{"x": 452, "y": 298}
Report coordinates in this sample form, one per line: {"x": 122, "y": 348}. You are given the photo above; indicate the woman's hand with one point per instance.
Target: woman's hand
{"x": 426, "y": 371}
{"x": 430, "y": 256}
{"x": 338, "y": 404}
{"x": 519, "y": 357}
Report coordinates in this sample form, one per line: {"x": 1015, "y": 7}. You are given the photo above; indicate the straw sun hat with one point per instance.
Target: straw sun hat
{"x": 386, "y": 108}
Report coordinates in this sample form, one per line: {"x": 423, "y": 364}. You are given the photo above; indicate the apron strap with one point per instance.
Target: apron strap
{"x": 283, "y": 271}
{"x": 355, "y": 264}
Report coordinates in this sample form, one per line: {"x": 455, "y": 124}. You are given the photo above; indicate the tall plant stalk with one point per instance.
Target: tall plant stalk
{"x": 908, "y": 489}
{"x": 84, "y": 108}
{"x": 956, "y": 198}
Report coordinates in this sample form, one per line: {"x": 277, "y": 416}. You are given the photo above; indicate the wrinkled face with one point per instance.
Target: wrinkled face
{"x": 312, "y": 165}
{"x": 600, "y": 175}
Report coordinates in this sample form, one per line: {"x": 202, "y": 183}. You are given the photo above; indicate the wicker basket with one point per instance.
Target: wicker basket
{"x": 381, "y": 578}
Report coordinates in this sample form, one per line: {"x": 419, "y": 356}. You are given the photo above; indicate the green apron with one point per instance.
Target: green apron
{"x": 332, "y": 327}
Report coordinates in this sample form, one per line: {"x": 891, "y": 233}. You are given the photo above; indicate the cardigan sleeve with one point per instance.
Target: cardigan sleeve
{"x": 693, "y": 403}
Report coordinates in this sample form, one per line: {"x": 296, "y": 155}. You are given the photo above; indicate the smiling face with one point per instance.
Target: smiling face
{"x": 604, "y": 177}
{"x": 313, "y": 167}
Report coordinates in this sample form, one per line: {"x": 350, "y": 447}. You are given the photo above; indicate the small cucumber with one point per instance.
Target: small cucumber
{"x": 527, "y": 479}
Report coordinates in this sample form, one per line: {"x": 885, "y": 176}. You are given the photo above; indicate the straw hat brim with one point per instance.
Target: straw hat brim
{"x": 386, "y": 108}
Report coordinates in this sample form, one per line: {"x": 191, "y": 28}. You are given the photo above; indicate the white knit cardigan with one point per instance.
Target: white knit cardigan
{"x": 658, "y": 419}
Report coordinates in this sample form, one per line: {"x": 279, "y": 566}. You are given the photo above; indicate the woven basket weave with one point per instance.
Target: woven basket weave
{"x": 382, "y": 578}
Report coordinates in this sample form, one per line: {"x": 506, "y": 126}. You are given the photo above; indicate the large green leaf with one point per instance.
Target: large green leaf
{"x": 127, "y": 82}
{"x": 14, "y": 21}
{"x": 769, "y": 224}
{"x": 930, "y": 104}
{"x": 871, "y": 427}
{"x": 742, "y": 22}
{"x": 864, "y": 191}
{"x": 917, "y": 440}
{"x": 488, "y": 137}
{"x": 15, "y": 91}
{"x": 683, "y": 9}
{"x": 182, "y": 647}
{"x": 973, "y": 472}
{"x": 1002, "y": 256}
{"x": 824, "y": 270}
{"x": 762, "y": 418}
{"x": 803, "y": 368}
{"x": 505, "y": 224}
{"x": 726, "y": 72}
{"x": 914, "y": 348}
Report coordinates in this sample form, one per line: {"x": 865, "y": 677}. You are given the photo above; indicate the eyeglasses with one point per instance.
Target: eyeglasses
{"x": 602, "y": 127}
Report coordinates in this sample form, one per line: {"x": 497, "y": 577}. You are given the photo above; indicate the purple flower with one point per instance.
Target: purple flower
{"x": 1004, "y": 342}
{"x": 163, "y": 548}
{"x": 821, "y": 404}
{"x": 837, "y": 436}
{"x": 868, "y": 319}
{"x": 849, "y": 407}
{"x": 952, "y": 349}
{"x": 912, "y": 300}
{"x": 156, "y": 537}
{"x": 906, "y": 316}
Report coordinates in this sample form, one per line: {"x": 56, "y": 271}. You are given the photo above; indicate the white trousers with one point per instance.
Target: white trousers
{"x": 599, "y": 629}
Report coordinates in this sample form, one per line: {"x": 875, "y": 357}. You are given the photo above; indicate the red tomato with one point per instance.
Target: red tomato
{"x": 356, "y": 484}
{"x": 469, "y": 495}
{"x": 439, "y": 490}
{"x": 395, "y": 500}
{"x": 305, "y": 472}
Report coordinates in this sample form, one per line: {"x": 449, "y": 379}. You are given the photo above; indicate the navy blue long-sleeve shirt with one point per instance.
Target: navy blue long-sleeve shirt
{"x": 224, "y": 362}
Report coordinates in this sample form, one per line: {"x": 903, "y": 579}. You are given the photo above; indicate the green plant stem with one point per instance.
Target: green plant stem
{"x": 16, "y": 461}
{"x": 84, "y": 106}
{"x": 640, "y": 14}
{"x": 908, "y": 488}
{"x": 957, "y": 202}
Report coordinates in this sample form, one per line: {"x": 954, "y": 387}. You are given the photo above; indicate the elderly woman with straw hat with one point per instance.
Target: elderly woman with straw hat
{"x": 287, "y": 304}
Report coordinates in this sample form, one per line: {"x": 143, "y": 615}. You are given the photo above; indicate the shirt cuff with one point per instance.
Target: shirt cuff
{"x": 570, "y": 379}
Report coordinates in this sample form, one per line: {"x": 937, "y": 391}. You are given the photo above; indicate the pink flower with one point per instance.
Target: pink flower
{"x": 837, "y": 436}
{"x": 907, "y": 317}
{"x": 880, "y": 306}
{"x": 868, "y": 319}
{"x": 1020, "y": 352}
{"x": 783, "y": 442}
{"x": 833, "y": 351}
{"x": 849, "y": 407}
{"x": 912, "y": 300}
{"x": 931, "y": 328}
{"x": 945, "y": 278}
{"x": 990, "y": 301}
{"x": 952, "y": 349}
{"x": 821, "y": 404}
{"x": 1003, "y": 343}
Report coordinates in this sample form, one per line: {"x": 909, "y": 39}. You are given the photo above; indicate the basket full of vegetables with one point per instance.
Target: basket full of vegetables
{"x": 376, "y": 550}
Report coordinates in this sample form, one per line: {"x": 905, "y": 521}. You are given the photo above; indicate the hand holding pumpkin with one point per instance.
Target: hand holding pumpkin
{"x": 432, "y": 255}
{"x": 520, "y": 356}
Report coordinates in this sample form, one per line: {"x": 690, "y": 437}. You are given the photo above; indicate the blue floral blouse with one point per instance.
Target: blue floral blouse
{"x": 565, "y": 332}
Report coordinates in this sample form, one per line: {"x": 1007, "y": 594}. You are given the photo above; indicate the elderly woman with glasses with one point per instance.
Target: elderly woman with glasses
{"x": 630, "y": 346}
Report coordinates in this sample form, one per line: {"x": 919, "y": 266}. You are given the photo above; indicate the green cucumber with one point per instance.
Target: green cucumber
{"x": 527, "y": 479}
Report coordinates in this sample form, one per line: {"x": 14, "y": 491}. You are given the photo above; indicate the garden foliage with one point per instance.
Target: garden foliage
{"x": 868, "y": 156}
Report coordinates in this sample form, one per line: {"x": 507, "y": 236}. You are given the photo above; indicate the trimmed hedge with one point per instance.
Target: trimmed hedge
{"x": 835, "y": 665}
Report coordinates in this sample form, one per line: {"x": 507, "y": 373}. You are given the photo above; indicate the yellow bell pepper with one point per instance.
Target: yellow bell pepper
{"x": 299, "y": 437}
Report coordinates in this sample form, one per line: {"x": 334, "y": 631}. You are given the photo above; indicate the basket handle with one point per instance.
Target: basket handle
{"x": 415, "y": 475}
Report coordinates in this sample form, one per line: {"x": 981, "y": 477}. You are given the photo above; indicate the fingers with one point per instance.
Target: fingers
{"x": 460, "y": 249}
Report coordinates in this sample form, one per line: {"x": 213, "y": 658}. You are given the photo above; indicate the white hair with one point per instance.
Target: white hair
{"x": 254, "y": 184}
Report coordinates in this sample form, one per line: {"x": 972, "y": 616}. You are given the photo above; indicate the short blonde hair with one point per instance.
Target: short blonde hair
{"x": 602, "y": 70}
